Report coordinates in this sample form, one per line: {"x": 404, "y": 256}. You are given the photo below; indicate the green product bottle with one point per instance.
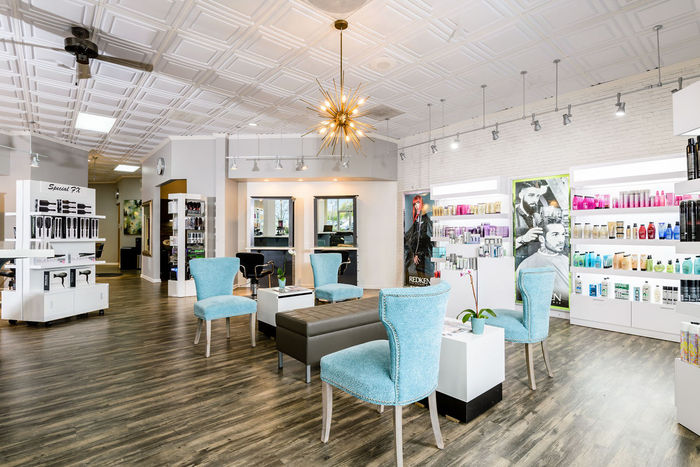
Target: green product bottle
{"x": 669, "y": 266}
{"x": 659, "y": 267}
{"x": 650, "y": 263}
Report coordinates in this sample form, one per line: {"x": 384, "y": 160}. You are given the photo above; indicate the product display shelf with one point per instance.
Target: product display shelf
{"x": 691, "y": 309}
{"x": 687, "y": 382}
{"x": 181, "y": 284}
{"x": 688, "y": 187}
{"x": 688, "y": 248}
{"x": 633, "y": 273}
{"x": 474, "y": 217}
{"x": 624, "y": 241}
{"x": 620, "y": 211}
{"x": 631, "y": 179}
{"x": 44, "y": 291}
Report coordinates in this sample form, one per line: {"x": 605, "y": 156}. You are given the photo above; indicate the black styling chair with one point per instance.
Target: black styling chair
{"x": 254, "y": 268}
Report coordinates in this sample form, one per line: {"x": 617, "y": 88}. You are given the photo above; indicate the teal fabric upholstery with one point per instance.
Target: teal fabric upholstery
{"x": 224, "y": 306}
{"x": 403, "y": 369}
{"x": 214, "y": 280}
{"x": 325, "y": 267}
{"x": 532, "y": 324}
{"x": 338, "y": 292}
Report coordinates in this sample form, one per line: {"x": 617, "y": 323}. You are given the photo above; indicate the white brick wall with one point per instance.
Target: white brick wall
{"x": 595, "y": 135}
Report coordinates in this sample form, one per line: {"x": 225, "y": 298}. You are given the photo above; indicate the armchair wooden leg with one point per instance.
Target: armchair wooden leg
{"x": 228, "y": 328}
{"x": 280, "y": 360}
{"x": 530, "y": 366}
{"x": 327, "y": 401}
{"x": 253, "y": 318}
{"x": 208, "y": 325}
{"x": 398, "y": 437}
{"x": 199, "y": 331}
{"x": 545, "y": 355}
{"x": 432, "y": 406}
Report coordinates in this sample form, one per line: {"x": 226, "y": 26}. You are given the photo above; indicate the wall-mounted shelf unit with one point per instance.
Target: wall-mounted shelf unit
{"x": 644, "y": 178}
{"x": 489, "y": 202}
{"x": 188, "y": 240}
{"x": 62, "y": 285}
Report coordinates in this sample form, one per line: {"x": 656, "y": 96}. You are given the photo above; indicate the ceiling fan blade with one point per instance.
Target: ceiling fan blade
{"x": 124, "y": 62}
{"x": 12, "y": 41}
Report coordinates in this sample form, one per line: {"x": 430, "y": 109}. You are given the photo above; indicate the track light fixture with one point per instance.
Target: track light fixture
{"x": 233, "y": 165}
{"x": 535, "y": 123}
{"x": 298, "y": 166}
{"x": 346, "y": 163}
{"x": 402, "y": 155}
{"x": 433, "y": 147}
{"x": 278, "y": 164}
{"x": 495, "y": 133}
{"x": 35, "y": 161}
{"x": 455, "y": 143}
{"x": 567, "y": 116}
{"x": 620, "y": 112}
{"x": 255, "y": 166}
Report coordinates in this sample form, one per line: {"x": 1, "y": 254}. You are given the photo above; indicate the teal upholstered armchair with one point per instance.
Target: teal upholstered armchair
{"x": 531, "y": 325}
{"x": 396, "y": 372}
{"x": 214, "y": 278}
{"x": 325, "y": 267}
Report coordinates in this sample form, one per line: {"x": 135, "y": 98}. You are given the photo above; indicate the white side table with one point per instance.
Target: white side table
{"x": 472, "y": 370}
{"x": 271, "y": 301}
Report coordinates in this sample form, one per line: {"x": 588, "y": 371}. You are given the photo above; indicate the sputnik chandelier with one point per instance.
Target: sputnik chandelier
{"x": 340, "y": 111}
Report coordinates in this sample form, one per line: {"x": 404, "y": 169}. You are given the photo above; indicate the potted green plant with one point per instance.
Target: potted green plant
{"x": 281, "y": 278}
{"x": 478, "y": 317}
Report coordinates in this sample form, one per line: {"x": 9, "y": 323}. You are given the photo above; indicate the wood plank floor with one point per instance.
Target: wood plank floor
{"x": 131, "y": 388}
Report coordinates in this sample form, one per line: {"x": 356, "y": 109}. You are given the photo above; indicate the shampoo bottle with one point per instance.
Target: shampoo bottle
{"x": 657, "y": 294}
{"x": 659, "y": 267}
{"x": 677, "y": 231}
{"x": 642, "y": 232}
{"x": 669, "y": 232}
{"x": 696, "y": 265}
{"x": 646, "y": 291}
{"x": 669, "y": 267}
{"x": 687, "y": 266}
{"x": 651, "y": 231}
{"x": 677, "y": 267}
{"x": 578, "y": 285}
{"x": 650, "y": 263}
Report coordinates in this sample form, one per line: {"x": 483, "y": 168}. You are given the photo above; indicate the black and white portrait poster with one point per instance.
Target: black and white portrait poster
{"x": 417, "y": 245}
{"x": 542, "y": 231}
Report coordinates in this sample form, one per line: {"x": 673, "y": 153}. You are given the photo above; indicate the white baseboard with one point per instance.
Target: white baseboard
{"x": 149, "y": 279}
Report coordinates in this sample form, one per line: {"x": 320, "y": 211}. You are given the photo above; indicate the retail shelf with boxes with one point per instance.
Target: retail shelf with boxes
{"x": 627, "y": 275}
{"x": 472, "y": 235}
{"x": 188, "y": 240}
{"x": 60, "y": 218}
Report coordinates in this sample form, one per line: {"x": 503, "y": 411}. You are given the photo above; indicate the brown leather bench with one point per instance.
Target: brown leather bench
{"x": 307, "y": 334}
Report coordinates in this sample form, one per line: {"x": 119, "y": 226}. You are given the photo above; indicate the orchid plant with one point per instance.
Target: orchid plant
{"x": 281, "y": 275}
{"x": 469, "y": 313}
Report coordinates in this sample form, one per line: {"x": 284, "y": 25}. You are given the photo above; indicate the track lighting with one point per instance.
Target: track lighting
{"x": 255, "y": 166}
{"x": 536, "y": 123}
{"x": 346, "y": 163}
{"x": 620, "y": 112}
{"x": 35, "y": 161}
{"x": 567, "y": 116}
{"x": 433, "y": 148}
{"x": 298, "y": 166}
{"x": 402, "y": 155}
{"x": 278, "y": 165}
{"x": 495, "y": 133}
{"x": 303, "y": 164}
{"x": 234, "y": 165}
{"x": 455, "y": 143}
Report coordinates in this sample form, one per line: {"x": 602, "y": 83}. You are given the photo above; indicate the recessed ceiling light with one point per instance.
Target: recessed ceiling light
{"x": 126, "y": 168}
{"x": 92, "y": 122}
{"x": 252, "y": 124}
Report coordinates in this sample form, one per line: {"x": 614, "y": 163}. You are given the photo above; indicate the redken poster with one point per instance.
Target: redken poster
{"x": 542, "y": 230}
{"x": 417, "y": 246}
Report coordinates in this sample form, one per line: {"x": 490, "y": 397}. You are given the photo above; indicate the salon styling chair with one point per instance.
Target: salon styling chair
{"x": 254, "y": 268}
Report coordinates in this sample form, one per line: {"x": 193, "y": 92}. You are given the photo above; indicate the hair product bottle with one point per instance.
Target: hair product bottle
{"x": 690, "y": 158}
{"x": 651, "y": 231}
{"x": 642, "y": 232}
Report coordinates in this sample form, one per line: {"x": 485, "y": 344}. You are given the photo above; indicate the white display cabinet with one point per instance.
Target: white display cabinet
{"x": 189, "y": 240}
{"x": 61, "y": 218}
{"x": 687, "y": 379}
{"x": 645, "y": 318}
{"x": 483, "y": 201}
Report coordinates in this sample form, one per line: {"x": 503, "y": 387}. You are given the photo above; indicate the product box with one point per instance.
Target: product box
{"x": 84, "y": 277}
{"x": 622, "y": 291}
{"x": 56, "y": 279}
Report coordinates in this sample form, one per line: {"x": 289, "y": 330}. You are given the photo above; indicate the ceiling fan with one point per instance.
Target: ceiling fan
{"x": 84, "y": 50}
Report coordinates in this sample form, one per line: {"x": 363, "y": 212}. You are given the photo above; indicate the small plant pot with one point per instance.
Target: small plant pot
{"x": 283, "y": 283}
{"x": 478, "y": 325}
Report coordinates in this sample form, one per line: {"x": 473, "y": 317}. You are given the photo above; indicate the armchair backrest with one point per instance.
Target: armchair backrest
{"x": 214, "y": 276}
{"x": 413, "y": 318}
{"x": 249, "y": 261}
{"x": 325, "y": 267}
{"x": 536, "y": 286}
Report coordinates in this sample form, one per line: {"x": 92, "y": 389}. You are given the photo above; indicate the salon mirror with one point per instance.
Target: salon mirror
{"x": 335, "y": 221}
{"x": 273, "y": 222}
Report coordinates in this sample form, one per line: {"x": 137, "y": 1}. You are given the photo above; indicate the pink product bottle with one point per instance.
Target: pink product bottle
{"x": 606, "y": 201}
{"x": 575, "y": 202}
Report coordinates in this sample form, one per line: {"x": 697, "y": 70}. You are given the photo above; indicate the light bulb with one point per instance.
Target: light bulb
{"x": 344, "y": 98}
{"x": 323, "y": 108}
{"x": 328, "y": 104}
{"x": 347, "y": 138}
{"x": 361, "y": 101}
{"x": 352, "y": 125}
{"x": 354, "y": 111}
{"x": 359, "y": 133}
{"x": 455, "y": 143}
{"x": 332, "y": 124}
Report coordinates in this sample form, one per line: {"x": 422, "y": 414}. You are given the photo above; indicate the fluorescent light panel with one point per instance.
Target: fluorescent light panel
{"x": 629, "y": 169}
{"x": 469, "y": 187}
{"x": 126, "y": 168}
{"x": 92, "y": 122}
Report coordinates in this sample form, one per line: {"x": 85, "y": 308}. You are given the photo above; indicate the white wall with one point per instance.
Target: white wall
{"x": 595, "y": 135}
{"x": 109, "y": 228}
{"x": 378, "y": 265}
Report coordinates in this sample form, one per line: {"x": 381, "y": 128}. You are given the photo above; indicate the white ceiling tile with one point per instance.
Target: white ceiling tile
{"x": 211, "y": 24}
{"x": 76, "y": 11}
{"x": 141, "y": 33}
{"x": 194, "y": 50}
{"x": 664, "y": 11}
{"x": 163, "y": 11}
{"x": 225, "y": 83}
